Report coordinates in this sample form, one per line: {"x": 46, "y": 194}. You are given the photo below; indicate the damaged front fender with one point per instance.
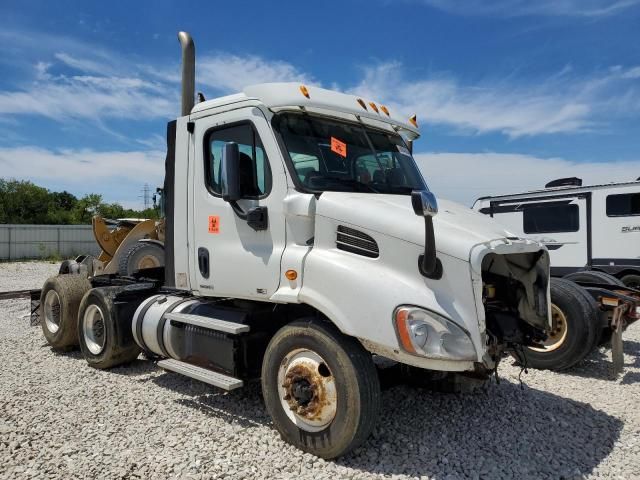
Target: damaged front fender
{"x": 512, "y": 276}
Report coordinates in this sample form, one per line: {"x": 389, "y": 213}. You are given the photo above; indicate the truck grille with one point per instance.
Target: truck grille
{"x": 355, "y": 241}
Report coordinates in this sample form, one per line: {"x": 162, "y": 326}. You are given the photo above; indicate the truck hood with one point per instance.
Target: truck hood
{"x": 457, "y": 228}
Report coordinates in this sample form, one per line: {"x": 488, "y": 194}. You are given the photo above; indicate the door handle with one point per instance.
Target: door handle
{"x": 203, "y": 262}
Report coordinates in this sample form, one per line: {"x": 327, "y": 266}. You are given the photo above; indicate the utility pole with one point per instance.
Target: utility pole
{"x": 146, "y": 196}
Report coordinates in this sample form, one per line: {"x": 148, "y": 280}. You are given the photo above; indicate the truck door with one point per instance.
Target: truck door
{"x": 560, "y": 223}
{"x": 230, "y": 257}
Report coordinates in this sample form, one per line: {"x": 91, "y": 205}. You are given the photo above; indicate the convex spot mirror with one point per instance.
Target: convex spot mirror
{"x": 424, "y": 203}
{"x": 230, "y": 163}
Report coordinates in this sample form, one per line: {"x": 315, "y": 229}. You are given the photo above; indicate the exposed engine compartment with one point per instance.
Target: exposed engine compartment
{"x": 515, "y": 298}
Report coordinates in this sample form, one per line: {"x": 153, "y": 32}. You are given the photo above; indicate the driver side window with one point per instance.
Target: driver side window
{"x": 255, "y": 174}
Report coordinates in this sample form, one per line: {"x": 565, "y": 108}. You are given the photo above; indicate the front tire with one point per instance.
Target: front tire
{"x": 100, "y": 342}
{"x": 320, "y": 387}
{"x": 59, "y": 301}
{"x": 577, "y": 328}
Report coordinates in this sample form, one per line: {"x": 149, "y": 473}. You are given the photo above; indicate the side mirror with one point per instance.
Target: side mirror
{"x": 425, "y": 205}
{"x": 231, "y": 172}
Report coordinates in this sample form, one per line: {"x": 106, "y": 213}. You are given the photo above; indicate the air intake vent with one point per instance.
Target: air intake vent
{"x": 357, "y": 242}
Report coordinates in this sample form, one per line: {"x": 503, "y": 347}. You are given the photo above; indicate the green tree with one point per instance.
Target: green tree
{"x": 87, "y": 207}
{"x": 24, "y": 202}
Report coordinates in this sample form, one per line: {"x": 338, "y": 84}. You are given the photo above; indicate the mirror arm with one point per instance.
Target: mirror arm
{"x": 425, "y": 205}
{"x": 238, "y": 210}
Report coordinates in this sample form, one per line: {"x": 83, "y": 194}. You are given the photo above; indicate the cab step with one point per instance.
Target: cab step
{"x": 216, "y": 379}
{"x": 207, "y": 322}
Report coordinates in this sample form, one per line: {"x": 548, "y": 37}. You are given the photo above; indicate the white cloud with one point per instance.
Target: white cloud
{"x": 230, "y": 73}
{"x": 80, "y": 166}
{"x": 560, "y": 103}
{"x": 107, "y": 86}
{"x": 82, "y": 64}
{"x": 464, "y": 177}
{"x": 89, "y": 97}
{"x": 514, "y": 8}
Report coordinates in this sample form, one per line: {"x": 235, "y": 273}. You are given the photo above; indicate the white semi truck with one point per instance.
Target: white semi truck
{"x": 301, "y": 242}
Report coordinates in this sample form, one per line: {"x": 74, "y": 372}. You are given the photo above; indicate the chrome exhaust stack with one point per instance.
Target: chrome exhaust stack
{"x": 188, "y": 72}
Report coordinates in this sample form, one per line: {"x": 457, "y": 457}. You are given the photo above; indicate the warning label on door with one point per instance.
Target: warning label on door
{"x": 338, "y": 147}
{"x": 214, "y": 224}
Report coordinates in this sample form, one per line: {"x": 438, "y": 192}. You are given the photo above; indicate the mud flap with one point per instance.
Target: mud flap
{"x": 617, "y": 350}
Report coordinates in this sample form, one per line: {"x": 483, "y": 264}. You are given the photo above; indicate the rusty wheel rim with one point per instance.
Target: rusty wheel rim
{"x": 307, "y": 390}
{"x": 559, "y": 333}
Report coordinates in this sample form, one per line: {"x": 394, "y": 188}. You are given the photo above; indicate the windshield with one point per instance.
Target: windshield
{"x": 345, "y": 157}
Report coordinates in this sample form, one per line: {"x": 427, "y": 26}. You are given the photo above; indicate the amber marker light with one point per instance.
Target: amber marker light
{"x": 304, "y": 91}
{"x": 291, "y": 274}
{"x": 373, "y": 107}
{"x": 402, "y": 315}
{"x": 385, "y": 110}
{"x": 362, "y": 104}
{"x": 414, "y": 121}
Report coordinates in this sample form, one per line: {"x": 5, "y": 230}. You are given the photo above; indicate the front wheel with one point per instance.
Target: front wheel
{"x": 320, "y": 388}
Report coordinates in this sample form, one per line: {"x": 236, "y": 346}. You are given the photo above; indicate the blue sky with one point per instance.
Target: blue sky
{"x": 509, "y": 93}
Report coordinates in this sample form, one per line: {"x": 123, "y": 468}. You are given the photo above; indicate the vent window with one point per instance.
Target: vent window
{"x": 355, "y": 241}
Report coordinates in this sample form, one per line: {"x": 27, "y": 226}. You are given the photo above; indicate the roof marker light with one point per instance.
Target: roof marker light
{"x": 384, "y": 109}
{"x": 362, "y": 104}
{"x": 414, "y": 120}
{"x": 373, "y": 107}
{"x": 304, "y": 91}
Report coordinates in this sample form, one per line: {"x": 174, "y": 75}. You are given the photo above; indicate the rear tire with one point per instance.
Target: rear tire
{"x": 320, "y": 387}
{"x": 59, "y": 302}
{"x": 141, "y": 255}
{"x": 593, "y": 276}
{"x": 100, "y": 343}
{"x": 632, "y": 281}
{"x": 577, "y": 318}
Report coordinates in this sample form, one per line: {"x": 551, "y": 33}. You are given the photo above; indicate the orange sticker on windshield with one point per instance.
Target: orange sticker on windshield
{"x": 214, "y": 224}
{"x": 338, "y": 147}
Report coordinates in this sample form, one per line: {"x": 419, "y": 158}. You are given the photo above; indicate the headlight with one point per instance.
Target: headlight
{"x": 425, "y": 333}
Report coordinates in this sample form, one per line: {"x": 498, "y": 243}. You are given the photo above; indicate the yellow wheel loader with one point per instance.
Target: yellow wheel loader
{"x": 127, "y": 245}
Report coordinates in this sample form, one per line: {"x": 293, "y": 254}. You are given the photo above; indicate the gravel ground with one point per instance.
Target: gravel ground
{"x": 24, "y": 275}
{"x": 60, "y": 418}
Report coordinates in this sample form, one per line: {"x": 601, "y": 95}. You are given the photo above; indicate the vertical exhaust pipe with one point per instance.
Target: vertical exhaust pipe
{"x": 188, "y": 72}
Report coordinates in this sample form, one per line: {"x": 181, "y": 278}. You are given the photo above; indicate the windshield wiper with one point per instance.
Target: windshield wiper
{"x": 352, "y": 182}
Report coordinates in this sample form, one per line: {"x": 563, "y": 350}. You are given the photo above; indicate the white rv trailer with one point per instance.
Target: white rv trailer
{"x": 595, "y": 227}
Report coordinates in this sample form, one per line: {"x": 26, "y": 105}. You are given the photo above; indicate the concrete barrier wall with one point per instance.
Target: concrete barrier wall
{"x": 43, "y": 241}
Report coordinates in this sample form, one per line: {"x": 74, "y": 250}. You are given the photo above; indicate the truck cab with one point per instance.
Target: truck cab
{"x": 325, "y": 218}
